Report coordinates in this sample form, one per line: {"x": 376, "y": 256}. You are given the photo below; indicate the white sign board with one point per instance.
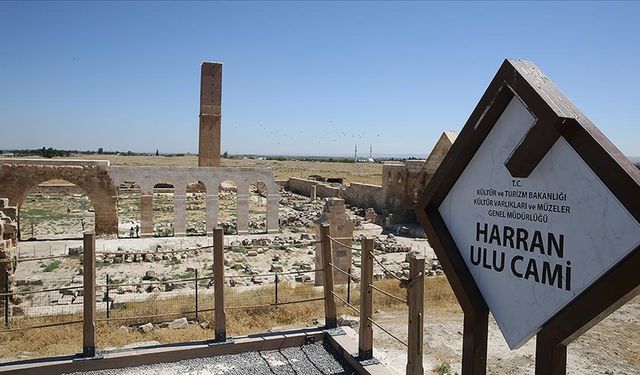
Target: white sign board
{"x": 533, "y": 244}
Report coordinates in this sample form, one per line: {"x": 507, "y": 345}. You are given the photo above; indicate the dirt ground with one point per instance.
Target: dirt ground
{"x": 611, "y": 347}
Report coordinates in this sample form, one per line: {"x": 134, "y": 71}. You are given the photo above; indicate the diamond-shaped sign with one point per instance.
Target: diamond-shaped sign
{"x": 532, "y": 206}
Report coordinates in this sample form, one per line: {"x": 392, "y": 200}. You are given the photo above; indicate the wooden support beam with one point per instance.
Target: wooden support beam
{"x": 415, "y": 299}
{"x": 218, "y": 284}
{"x": 89, "y": 297}
{"x": 330, "y": 312}
{"x": 365, "y": 336}
{"x": 551, "y": 359}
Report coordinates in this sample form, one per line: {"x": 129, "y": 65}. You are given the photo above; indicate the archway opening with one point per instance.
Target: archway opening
{"x": 163, "y": 210}
{"x": 228, "y": 206}
{"x": 258, "y": 207}
{"x": 55, "y": 209}
{"x": 196, "y": 215}
{"x": 129, "y": 216}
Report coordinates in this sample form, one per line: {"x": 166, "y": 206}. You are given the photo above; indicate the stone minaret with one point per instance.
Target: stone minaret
{"x": 210, "y": 114}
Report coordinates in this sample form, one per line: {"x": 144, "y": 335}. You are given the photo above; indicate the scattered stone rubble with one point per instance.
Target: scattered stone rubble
{"x": 248, "y": 262}
{"x": 299, "y": 214}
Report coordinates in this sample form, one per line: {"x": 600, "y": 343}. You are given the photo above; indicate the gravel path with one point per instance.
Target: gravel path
{"x": 314, "y": 359}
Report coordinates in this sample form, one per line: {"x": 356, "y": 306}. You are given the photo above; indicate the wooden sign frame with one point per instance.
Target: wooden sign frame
{"x": 555, "y": 117}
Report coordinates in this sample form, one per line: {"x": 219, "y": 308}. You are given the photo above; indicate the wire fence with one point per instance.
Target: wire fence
{"x": 52, "y": 295}
{"x": 163, "y": 285}
{"x": 155, "y": 299}
{"x": 384, "y": 294}
{"x": 385, "y": 297}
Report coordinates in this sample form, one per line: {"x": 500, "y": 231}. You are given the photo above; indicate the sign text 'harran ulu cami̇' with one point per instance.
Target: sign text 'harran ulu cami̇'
{"x": 535, "y": 217}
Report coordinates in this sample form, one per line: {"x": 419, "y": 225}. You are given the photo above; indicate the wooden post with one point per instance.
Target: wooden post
{"x": 330, "y": 313}
{"x": 474, "y": 341}
{"x": 89, "y": 302}
{"x": 551, "y": 358}
{"x": 218, "y": 284}
{"x": 365, "y": 343}
{"x": 415, "y": 298}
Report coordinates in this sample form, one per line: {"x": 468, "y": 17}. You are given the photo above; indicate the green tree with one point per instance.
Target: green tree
{"x": 48, "y": 153}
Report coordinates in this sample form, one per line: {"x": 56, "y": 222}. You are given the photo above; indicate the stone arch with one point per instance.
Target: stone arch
{"x": 18, "y": 179}
{"x": 72, "y": 216}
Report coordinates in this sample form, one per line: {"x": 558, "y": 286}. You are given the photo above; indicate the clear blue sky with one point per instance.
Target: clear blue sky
{"x": 299, "y": 78}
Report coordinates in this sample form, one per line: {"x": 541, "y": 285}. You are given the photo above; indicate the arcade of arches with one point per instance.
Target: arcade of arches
{"x": 101, "y": 182}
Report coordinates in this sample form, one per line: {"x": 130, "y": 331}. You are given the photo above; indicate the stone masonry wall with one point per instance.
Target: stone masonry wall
{"x": 19, "y": 177}
{"x": 335, "y": 213}
{"x": 364, "y": 196}
{"x": 8, "y": 240}
{"x": 304, "y": 187}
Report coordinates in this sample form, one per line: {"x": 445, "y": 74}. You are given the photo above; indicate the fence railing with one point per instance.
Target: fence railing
{"x": 98, "y": 305}
{"x": 415, "y": 299}
{"x": 37, "y": 302}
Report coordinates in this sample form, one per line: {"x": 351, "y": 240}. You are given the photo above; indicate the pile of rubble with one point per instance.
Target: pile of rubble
{"x": 132, "y": 256}
{"x": 386, "y": 244}
{"x": 180, "y": 323}
{"x": 299, "y": 212}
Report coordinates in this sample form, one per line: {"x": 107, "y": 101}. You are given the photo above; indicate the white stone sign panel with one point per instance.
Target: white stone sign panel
{"x": 534, "y": 244}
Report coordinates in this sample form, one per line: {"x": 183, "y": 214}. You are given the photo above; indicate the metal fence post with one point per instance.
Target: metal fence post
{"x": 330, "y": 313}
{"x": 365, "y": 336}
{"x": 196, "y": 279}
{"x": 276, "y": 290}
{"x": 89, "y": 302}
{"x": 107, "y": 296}
{"x": 415, "y": 298}
{"x": 218, "y": 284}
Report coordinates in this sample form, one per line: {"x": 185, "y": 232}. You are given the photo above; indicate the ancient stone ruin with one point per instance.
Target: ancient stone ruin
{"x": 394, "y": 200}
{"x": 335, "y": 213}
{"x": 8, "y": 241}
{"x": 210, "y": 114}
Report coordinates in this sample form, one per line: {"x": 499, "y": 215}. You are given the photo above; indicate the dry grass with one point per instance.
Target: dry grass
{"x": 68, "y": 339}
{"x": 351, "y": 172}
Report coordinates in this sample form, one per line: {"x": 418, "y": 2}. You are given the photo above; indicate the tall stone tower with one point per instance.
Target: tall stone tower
{"x": 210, "y": 114}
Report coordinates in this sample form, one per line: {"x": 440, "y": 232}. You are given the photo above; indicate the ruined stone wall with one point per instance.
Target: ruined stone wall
{"x": 8, "y": 241}
{"x": 402, "y": 183}
{"x": 327, "y": 191}
{"x": 364, "y": 196}
{"x": 300, "y": 186}
{"x": 394, "y": 177}
{"x": 341, "y": 228}
{"x": 305, "y": 187}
